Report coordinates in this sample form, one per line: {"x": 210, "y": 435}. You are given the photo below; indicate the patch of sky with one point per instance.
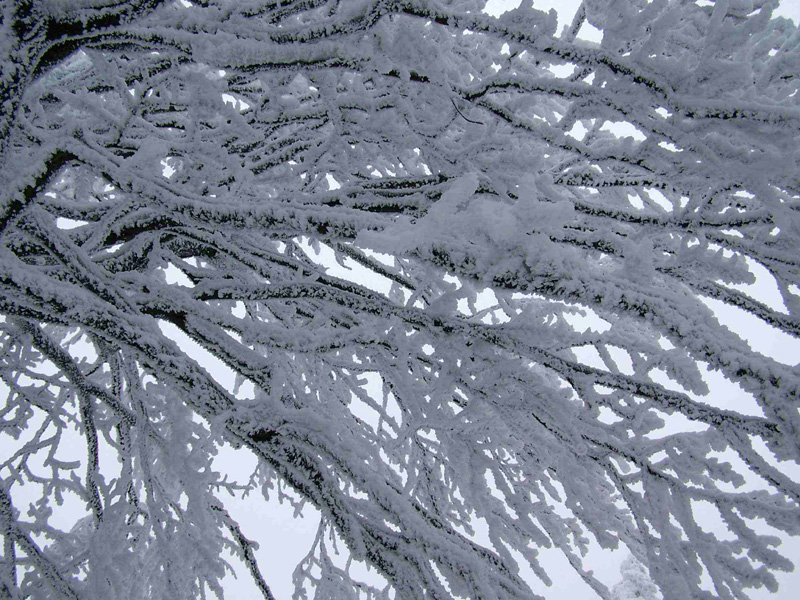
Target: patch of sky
{"x": 348, "y": 269}
{"x": 386, "y": 259}
{"x": 590, "y": 33}
{"x": 239, "y": 310}
{"x": 670, "y": 146}
{"x": 608, "y": 416}
{"x": 562, "y": 71}
{"x": 491, "y": 483}
{"x": 174, "y": 276}
{"x": 765, "y": 288}
{"x": 332, "y": 183}
{"x": 589, "y": 356}
{"x": 622, "y": 360}
{"x": 659, "y": 198}
{"x": 364, "y": 412}
{"x": 790, "y": 468}
{"x": 80, "y": 347}
{"x": 578, "y": 131}
{"x": 636, "y": 201}
{"x": 722, "y": 392}
{"x": 66, "y": 224}
{"x": 236, "y": 102}
{"x": 218, "y": 370}
{"x": 789, "y": 9}
{"x": 623, "y": 129}
{"x": 760, "y": 336}
{"x": 565, "y": 9}
{"x": 585, "y": 319}
{"x": 296, "y": 530}
{"x": 674, "y": 423}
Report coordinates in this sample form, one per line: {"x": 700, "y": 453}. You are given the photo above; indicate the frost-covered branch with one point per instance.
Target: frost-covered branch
{"x": 390, "y": 253}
